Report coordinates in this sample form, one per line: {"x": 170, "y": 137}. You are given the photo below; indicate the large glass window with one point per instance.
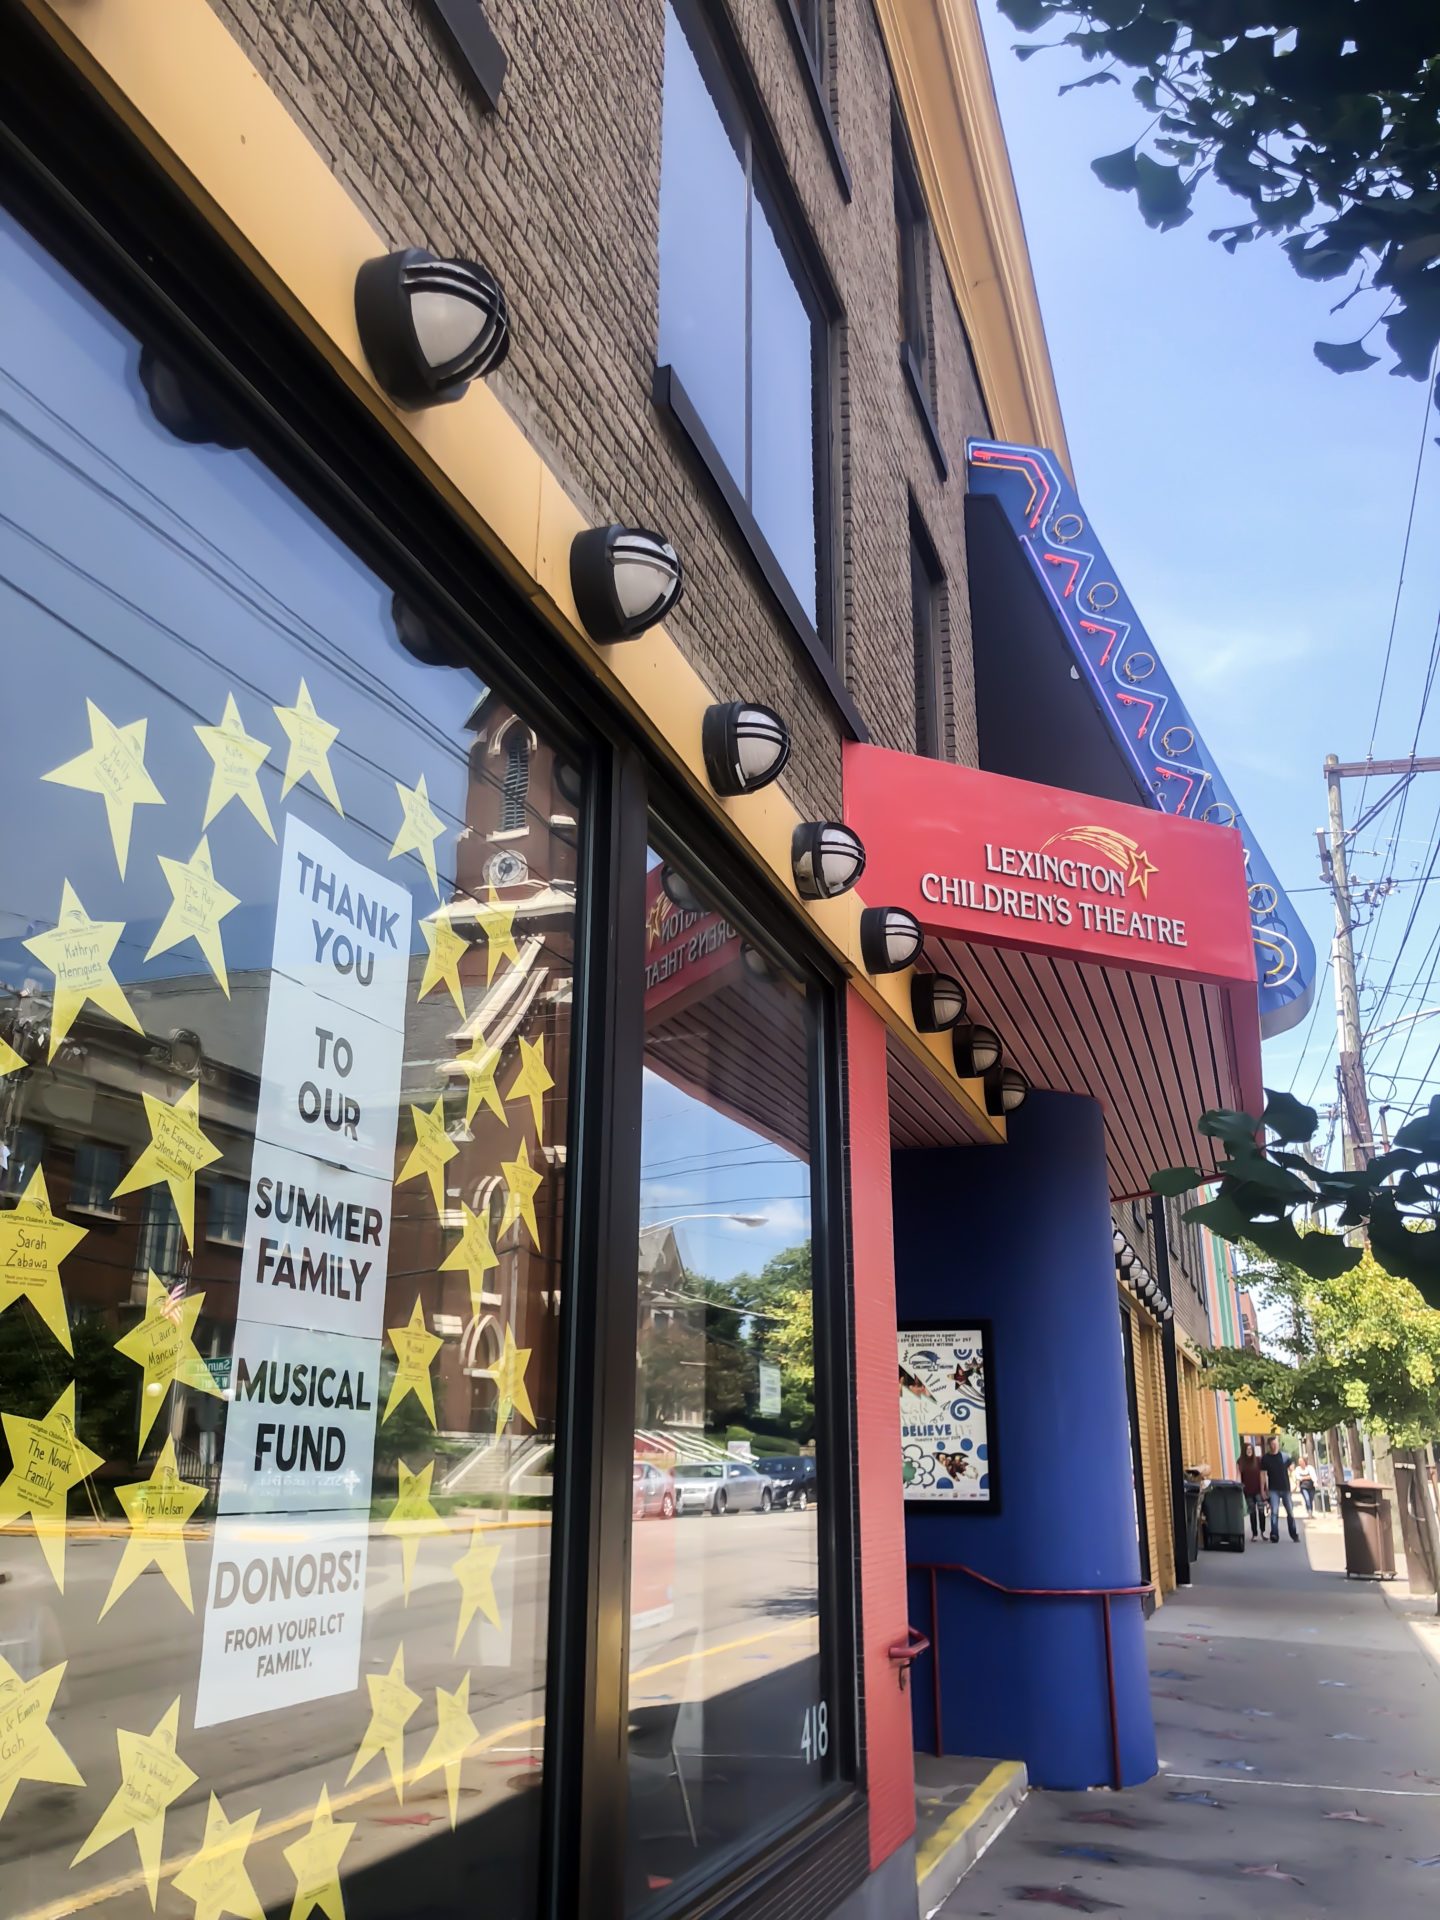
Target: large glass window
{"x": 287, "y": 921}
{"x": 739, "y": 321}
{"x": 729, "y": 1727}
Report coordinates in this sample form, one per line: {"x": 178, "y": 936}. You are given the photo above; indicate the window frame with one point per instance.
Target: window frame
{"x": 915, "y": 305}
{"x": 931, "y": 731}
{"x": 816, "y": 65}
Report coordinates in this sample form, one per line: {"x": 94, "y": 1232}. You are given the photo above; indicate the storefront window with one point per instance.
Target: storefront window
{"x": 729, "y": 1729}
{"x": 287, "y": 922}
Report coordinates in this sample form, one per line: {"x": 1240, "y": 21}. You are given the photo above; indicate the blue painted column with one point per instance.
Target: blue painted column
{"x": 1021, "y": 1235}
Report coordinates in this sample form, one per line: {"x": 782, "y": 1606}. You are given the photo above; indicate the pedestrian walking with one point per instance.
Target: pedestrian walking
{"x": 1276, "y": 1467}
{"x": 1252, "y": 1485}
{"x": 1305, "y": 1480}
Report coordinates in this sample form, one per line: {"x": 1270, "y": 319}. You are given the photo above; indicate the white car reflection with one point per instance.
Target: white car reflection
{"x": 729, "y": 1486}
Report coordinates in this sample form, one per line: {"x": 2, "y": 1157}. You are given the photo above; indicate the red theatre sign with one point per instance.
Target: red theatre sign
{"x": 1006, "y": 863}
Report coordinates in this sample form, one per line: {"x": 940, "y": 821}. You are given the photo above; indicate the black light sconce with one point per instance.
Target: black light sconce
{"x": 624, "y": 579}
{"x": 745, "y": 746}
{"x": 826, "y": 859}
{"x": 569, "y": 782}
{"x": 890, "y": 939}
{"x": 755, "y": 962}
{"x": 428, "y": 326}
{"x": 937, "y": 1002}
{"x": 977, "y": 1050}
{"x": 422, "y": 639}
{"x": 1006, "y": 1089}
{"x": 678, "y": 890}
{"x": 185, "y": 407}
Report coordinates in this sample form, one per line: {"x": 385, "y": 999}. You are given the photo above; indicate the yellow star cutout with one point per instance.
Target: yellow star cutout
{"x": 522, "y": 1183}
{"x": 33, "y": 1242}
{"x": 236, "y": 773}
{"x": 10, "y": 1060}
{"x": 414, "y": 1350}
{"x": 176, "y": 1153}
{"x": 478, "y": 1064}
{"x": 420, "y": 829}
{"x": 1141, "y": 868}
{"x": 412, "y": 1515}
{"x": 509, "y": 1376}
{"x": 533, "y": 1081}
{"x": 28, "y": 1749}
{"x": 475, "y": 1570}
{"x": 47, "y": 1459}
{"x": 432, "y": 1152}
{"x": 164, "y": 1345}
{"x": 496, "y": 923}
{"x": 152, "y": 1777}
{"x": 215, "y": 1878}
{"x": 314, "y": 1860}
{"x": 198, "y": 903}
{"x": 443, "y": 960}
{"x": 473, "y": 1255}
{"x": 311, "y": 739}
{"x": 115, "y": 769}
{"x": 455, "y": 1736}
{"x": 392, "y": 1704}
{"x": 78, "y": 953}
{"x": 157, "y": 1509}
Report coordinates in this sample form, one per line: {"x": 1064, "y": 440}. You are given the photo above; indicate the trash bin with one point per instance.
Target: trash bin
{"x": 1194, "y": 1492}
{"x": 1225, "y": 1515}
{"x": 1369, "y": 1541}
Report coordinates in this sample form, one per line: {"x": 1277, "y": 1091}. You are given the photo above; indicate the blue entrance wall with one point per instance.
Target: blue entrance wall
{"x": 1021, "y": 1236}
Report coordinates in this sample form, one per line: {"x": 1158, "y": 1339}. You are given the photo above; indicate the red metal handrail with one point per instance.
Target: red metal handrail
{"x": 1103, "y": 1594}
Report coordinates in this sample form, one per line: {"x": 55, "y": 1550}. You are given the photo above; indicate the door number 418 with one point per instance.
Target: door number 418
{"x": 815, "y": 1731}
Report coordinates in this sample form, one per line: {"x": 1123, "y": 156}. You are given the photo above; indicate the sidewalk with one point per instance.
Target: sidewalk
{"x": 1298, "y": 1716}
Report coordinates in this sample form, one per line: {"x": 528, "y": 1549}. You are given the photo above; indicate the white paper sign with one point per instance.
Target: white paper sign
{"x": 330, "y": 1081}
{"x": 769, "y": 1400}
{"x": 300, "y": 1434}
{"x": 317, "y": 1245}
{"x": 341, "y": 929}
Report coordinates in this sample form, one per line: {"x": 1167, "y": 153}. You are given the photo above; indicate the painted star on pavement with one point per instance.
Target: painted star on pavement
{"x": 158, "y": 1510}
{"x": 455, "y": 1736}
{"x": 33, "y": 1242}
{"x": 411, "y": 1516}
{"x": 47, "y": 1459}
{"x": 475, "y": 1570}
{"x": 215, "y": 1877}
{"x": 78, "y": 952}
{"x": 392, "y": 1704}
{"x": 311, "y": 739}
{"x": 176, "y": 1153}
{"x": 198, "y": 903}
{"x": 163, "y": 1345}
{"x": 473, "y": 1256}
{"x": 478, "y": 1064}
{"x": 446, "y": 950}
{"x": 432, "y": 1152}
{"x": 236, "y": 772}
{"x": 508, "y": 1373}
{"x": 415, "y": 1348}
{"x": 314, "y": 1859}
{"x": 522, "y": 1183}
{"x": 420, "y": 828}
{"x": 152, "y": 1777}
{"x": 533, "y": 1081}
{"x": 28, "y": 1749}
{"x": 497, "y": 925}
{"x": 114, "y": 768}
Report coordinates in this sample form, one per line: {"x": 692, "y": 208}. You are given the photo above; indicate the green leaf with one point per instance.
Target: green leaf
{"x": 1091, "y": 80}
{"x": 1351, "y": 357}
{"x": 1384, "y": 1164}
{"x": 1324, "y": 1256}
{"x": 1117, "y": 170}
{"x": 1423, "y": 1132}
{"x": 1028, "y": 15}
{"x": 1169, "y": 1182}
{"x": 1224, "y": 1123}
{"x": 1222, "y": 1217}
{"x": 1314, "y": 258}
{"x": 1287, "y": 1118}
{"x": 1254, "y": 1169}
{"x": 1162, "y": 192}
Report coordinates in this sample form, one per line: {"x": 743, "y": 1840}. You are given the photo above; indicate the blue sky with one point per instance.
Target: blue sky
{"x": 1254, "y": 505}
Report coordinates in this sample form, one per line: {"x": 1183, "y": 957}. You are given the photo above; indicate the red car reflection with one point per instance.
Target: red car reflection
{"x": 652, "y": 1492}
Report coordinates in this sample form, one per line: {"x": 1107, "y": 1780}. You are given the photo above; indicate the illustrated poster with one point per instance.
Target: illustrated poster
{"x": 945, "y": 1416}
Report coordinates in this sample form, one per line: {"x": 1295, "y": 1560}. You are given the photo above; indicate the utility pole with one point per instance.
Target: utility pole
{"x": 1355, "y": 1135}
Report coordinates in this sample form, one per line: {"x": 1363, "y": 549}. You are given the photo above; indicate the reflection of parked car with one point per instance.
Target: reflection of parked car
{"x": 716, "y": 1486}
{"x": 653, "y": 1491}
{"x": 794, "y": 1480}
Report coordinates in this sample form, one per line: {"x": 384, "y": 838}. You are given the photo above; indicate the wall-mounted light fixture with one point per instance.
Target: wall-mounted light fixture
{"x": 755, "y": 962}
{"x": 678, "y": 890}
{"x": 1005, "y": 1090}
{"x": 428, "y": 326}
{"x": 890, "y": 939}
{"x": 422, "y": 638}
{"x": 826, "y": 859}
{"x": 937, "y": 1002}
{"x": 624, "y": 579}
{"x": 1117, "y": 1240}
{"x": 745, "y": 746}
{"x": 977, "y": 1050}
{"x": 1125, "y": 1260}
{"x": 185, "y": 406}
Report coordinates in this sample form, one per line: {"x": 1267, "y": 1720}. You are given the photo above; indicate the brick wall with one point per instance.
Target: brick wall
{"x": 559, "y": 191}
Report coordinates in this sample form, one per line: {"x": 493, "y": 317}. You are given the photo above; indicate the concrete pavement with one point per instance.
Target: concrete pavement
{"x": 1299, "y": 1723}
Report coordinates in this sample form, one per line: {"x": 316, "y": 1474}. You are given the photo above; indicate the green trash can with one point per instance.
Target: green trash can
{"x": 1225, "y": 1515}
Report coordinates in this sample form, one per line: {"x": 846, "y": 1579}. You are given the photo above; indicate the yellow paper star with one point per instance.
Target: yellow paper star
{"x": 176, "y": 1153}
{"x": 10, "y": 1060}
{"x": 152, "y": 1777}
{"x": 215, "y": 1878}
{"x": 496, "y": 923}
{"x": 411, "y": 1515}
{"x": 33, "y": 1242}
{"x": 533, "y": 1081}
{"x": 478, "y": 1064}
{"x": 47, "y": 1459}
{"x": 475, "y": 1570}
{"x": 198, "y": 903}
{"x": 78, "y": 953}
{"x": 473, "y": 1256}
{"x": 315, "y": 1862}
{"x": 115, "y": 769}
{"x": 522, "y": 1183}
{"x": 391, "y": 1705}
{"x": 28, "y": 1749}
{"x": 443, "y": 961}
{"x": 508, "y": 1373}
{"x": 414, "y": 1350}
{"x": 455, "y": 1736}
{"x": 157, "y": 1510}
{"x": 420, "y": 829}
{"x": 236, "y": 773}
{"x": 164, "y": 1345}
{"x": 311, "y": 739}
{"x": 432, "y": 1152}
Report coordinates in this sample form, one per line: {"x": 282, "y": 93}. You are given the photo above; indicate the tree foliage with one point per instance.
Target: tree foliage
{"x": 1321, "y": 116}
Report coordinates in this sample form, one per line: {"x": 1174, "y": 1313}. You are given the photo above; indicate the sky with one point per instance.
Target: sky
{"x": 1255, "y": 506}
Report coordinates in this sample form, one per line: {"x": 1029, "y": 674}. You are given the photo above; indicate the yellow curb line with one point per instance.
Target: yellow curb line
{"x": 975, "y": 1806}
